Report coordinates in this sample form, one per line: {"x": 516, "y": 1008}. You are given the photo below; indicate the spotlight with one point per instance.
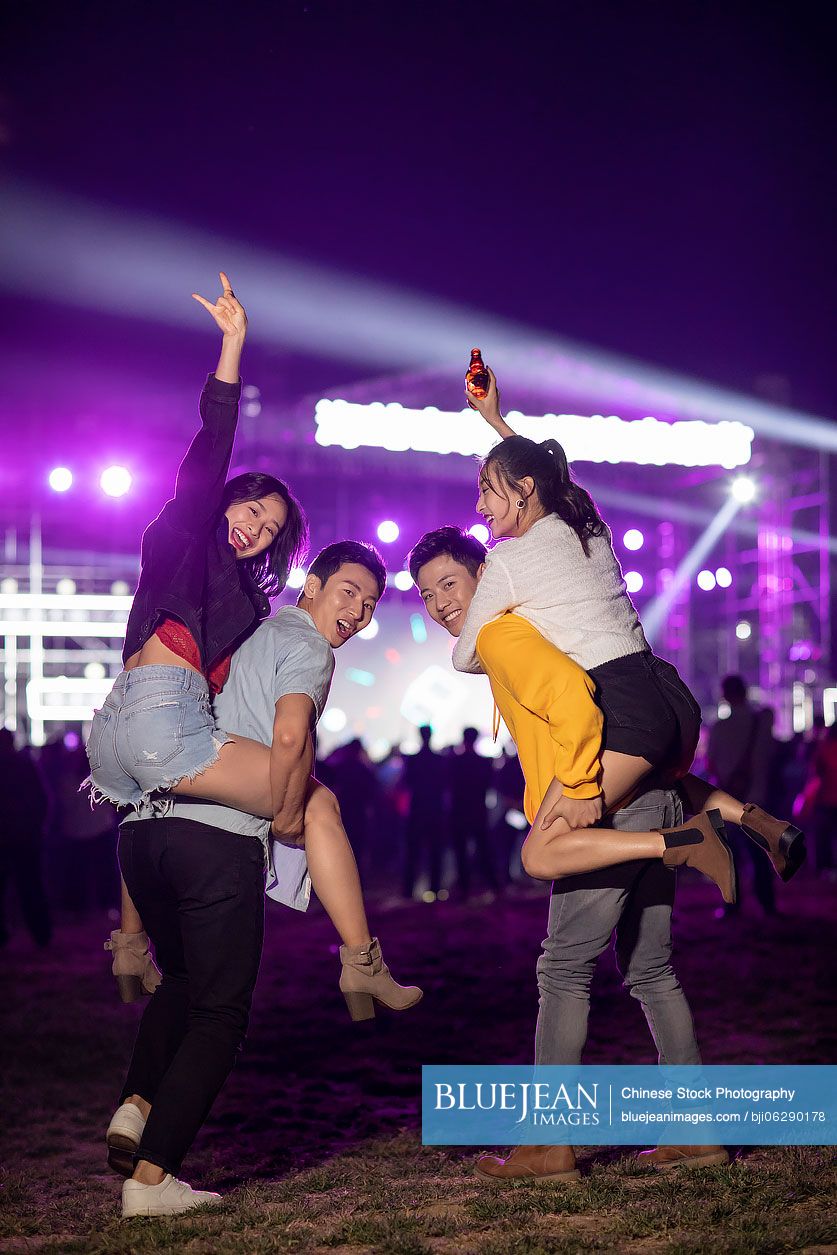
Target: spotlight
{"x": 403, "y": 581}
{"x": 633, "y": 538}
{"x": 371, "y": 630}
{"x": 706, "y": 581}
{"x": 633, "y": 581}
{"x": 119, "y": 588}
{"x": 296, "y": 579}
{"x": 94, "y": 671}
{"x": 334, "y": 719}
{"x": 388, "y": 531}
{"x": 8, "y": 585}
{"x": 115, "y": 481}
{"x": 743, "y": 489}
{"x": 60, "y": 479}
{"x": 65, "y": 588}
{"x": 723, "y": 577}
{"x": 480, "y": 532}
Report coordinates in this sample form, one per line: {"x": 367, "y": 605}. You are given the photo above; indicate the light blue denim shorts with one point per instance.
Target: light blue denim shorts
{"x": 155, "y": 728}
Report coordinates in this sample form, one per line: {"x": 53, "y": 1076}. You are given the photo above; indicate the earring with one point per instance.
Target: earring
{"x": 520, "y": 504}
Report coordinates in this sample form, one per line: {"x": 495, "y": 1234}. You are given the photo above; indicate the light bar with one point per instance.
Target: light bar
{"x": 642, "y": 441}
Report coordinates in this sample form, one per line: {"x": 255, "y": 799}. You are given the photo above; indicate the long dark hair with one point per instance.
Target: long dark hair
{"x": 267, "y": 573}
{"x": 518, "y": 458}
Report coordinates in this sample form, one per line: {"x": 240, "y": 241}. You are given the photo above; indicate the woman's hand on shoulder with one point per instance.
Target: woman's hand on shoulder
{"x": 227, "y": 311}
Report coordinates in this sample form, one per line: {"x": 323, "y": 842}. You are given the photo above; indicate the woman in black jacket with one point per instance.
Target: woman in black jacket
{"x": 210, "y": 561}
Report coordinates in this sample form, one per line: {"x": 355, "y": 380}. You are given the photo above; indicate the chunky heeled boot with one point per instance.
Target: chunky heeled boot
{"x": 700, "y": 844}
{"x": 366, "y": 979}
{"x": 783, "y": 843}
{"x": 135, "y": 970}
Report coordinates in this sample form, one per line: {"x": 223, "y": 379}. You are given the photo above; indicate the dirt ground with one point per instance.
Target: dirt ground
{"x": 321, "y": 1109}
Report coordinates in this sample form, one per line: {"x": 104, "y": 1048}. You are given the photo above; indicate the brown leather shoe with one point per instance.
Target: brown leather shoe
{"x": 530, "y": 1163}
{"x": 700, "y": 844}
{"x": 665, "y": 1158}
{"x": 783, "y": 843}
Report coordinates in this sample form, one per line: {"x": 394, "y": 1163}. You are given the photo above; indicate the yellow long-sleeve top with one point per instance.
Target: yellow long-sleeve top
{"x": 547, "y": 703}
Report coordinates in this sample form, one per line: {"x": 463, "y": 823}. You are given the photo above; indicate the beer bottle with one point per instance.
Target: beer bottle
{"x": 476, "y": 378}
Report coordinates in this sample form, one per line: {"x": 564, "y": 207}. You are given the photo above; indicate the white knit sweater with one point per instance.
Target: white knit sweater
{"x": 578, "y": 603}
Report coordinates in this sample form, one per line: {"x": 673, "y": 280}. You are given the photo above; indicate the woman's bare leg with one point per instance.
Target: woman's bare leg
{"x": 332, "y": 866}
{"x": 239, "y": 777}
{"x": 561, "y": 851}
{"x": 703, "y": 796}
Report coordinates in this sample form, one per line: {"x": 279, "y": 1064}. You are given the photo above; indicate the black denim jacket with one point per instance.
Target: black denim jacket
{"x": 188, "y": 565}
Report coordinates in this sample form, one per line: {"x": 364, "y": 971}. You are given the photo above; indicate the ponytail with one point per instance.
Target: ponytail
{"x": 546, "y": 464}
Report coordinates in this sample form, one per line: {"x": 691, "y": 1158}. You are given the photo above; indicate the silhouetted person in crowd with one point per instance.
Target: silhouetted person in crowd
{"x": 23, "y": 809}
{"x": 426, "y": 779}
{"x": 356, "y": 786}
{"x": 510, "y": 786}
{"x": 470, "y": 779}
{"x": 740, "y": 754}
{"x": 824, "y": 769}
{"x": 85, "y": 834}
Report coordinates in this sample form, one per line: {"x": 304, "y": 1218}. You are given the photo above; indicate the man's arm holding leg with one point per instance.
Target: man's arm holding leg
{"x": 291, "y": 764}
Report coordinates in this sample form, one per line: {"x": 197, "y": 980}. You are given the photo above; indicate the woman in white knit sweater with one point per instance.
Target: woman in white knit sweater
{"x": 557, "y": 569}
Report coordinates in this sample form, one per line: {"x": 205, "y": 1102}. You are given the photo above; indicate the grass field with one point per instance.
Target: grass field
{"x": 315, "y": 1140}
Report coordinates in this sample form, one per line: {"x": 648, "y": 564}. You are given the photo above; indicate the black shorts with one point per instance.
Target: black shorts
{"x": 648, "y": 711}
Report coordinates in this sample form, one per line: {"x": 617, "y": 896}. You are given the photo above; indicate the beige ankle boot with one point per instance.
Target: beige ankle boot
{"x": 135, "y": 970}
{"x": 365, "y": 978}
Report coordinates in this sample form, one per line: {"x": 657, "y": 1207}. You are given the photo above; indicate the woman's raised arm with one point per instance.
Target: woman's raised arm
{"x": 229, "y": 314}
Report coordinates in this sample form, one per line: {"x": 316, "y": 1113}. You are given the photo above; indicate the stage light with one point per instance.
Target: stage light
{"x": 743, "y": 630}
{"x": 296, "y": 577}
{"x": 706, "y": 581}
{"x": 119, "y": 588}
{"x": 365, "y": 678}
{"x": 418, "y": 628}
{"x": 633, "y": 581}
{"x": 371, "y": 630}
{"x": 94, "y": 671}
{"x": 480, "y": 532}
{"x": 403, "y": 581}
{"x": 115, "y": 481}
{"x": 743, "y": 489}
{"x": 334, "y": 719}
{"x": 388, "y": 531}
{"x": 633, "y": 538}
{"x": 8, "y": 586}
{"x": 597, "y": 438}
{"x": 65, "y": 588}
{"x": 60, "y": 479}
{"x": 723, "y": 577}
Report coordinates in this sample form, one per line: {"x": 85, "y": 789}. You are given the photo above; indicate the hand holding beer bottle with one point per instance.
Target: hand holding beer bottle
{"x": 482, "y": 395}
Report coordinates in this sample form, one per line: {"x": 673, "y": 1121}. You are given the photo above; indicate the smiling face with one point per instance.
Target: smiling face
{"x": 498, "y": 504}
{"x": 344, "y": 605}
{"x": 447, "y": 589}
{"x": 253, "y": 525}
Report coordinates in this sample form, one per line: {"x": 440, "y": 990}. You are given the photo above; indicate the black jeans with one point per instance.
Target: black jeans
{"x": 200, "y": 892}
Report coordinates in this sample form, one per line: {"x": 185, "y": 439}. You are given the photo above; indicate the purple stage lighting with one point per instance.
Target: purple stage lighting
{"x": 706, "y": 580}
{"x": 388, "y": 531}
{"x": 723, "y": 577}
{"x": 480, "y": 532}
{"x": 60, "y": 479}
{"x": 633, "y": 538}
{"x": 115, "y": 481}
{"x": 633, "y": 581}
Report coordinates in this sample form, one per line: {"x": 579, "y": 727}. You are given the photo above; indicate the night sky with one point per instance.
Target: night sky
{"x": 653, "y": 179}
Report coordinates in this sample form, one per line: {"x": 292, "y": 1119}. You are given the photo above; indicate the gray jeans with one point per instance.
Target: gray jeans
{"x": 635, "y": 899}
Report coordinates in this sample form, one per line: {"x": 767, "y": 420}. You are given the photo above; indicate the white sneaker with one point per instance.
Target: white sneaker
{"x": 123, "y": 1137}
{"x": 169, "y": 1198}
